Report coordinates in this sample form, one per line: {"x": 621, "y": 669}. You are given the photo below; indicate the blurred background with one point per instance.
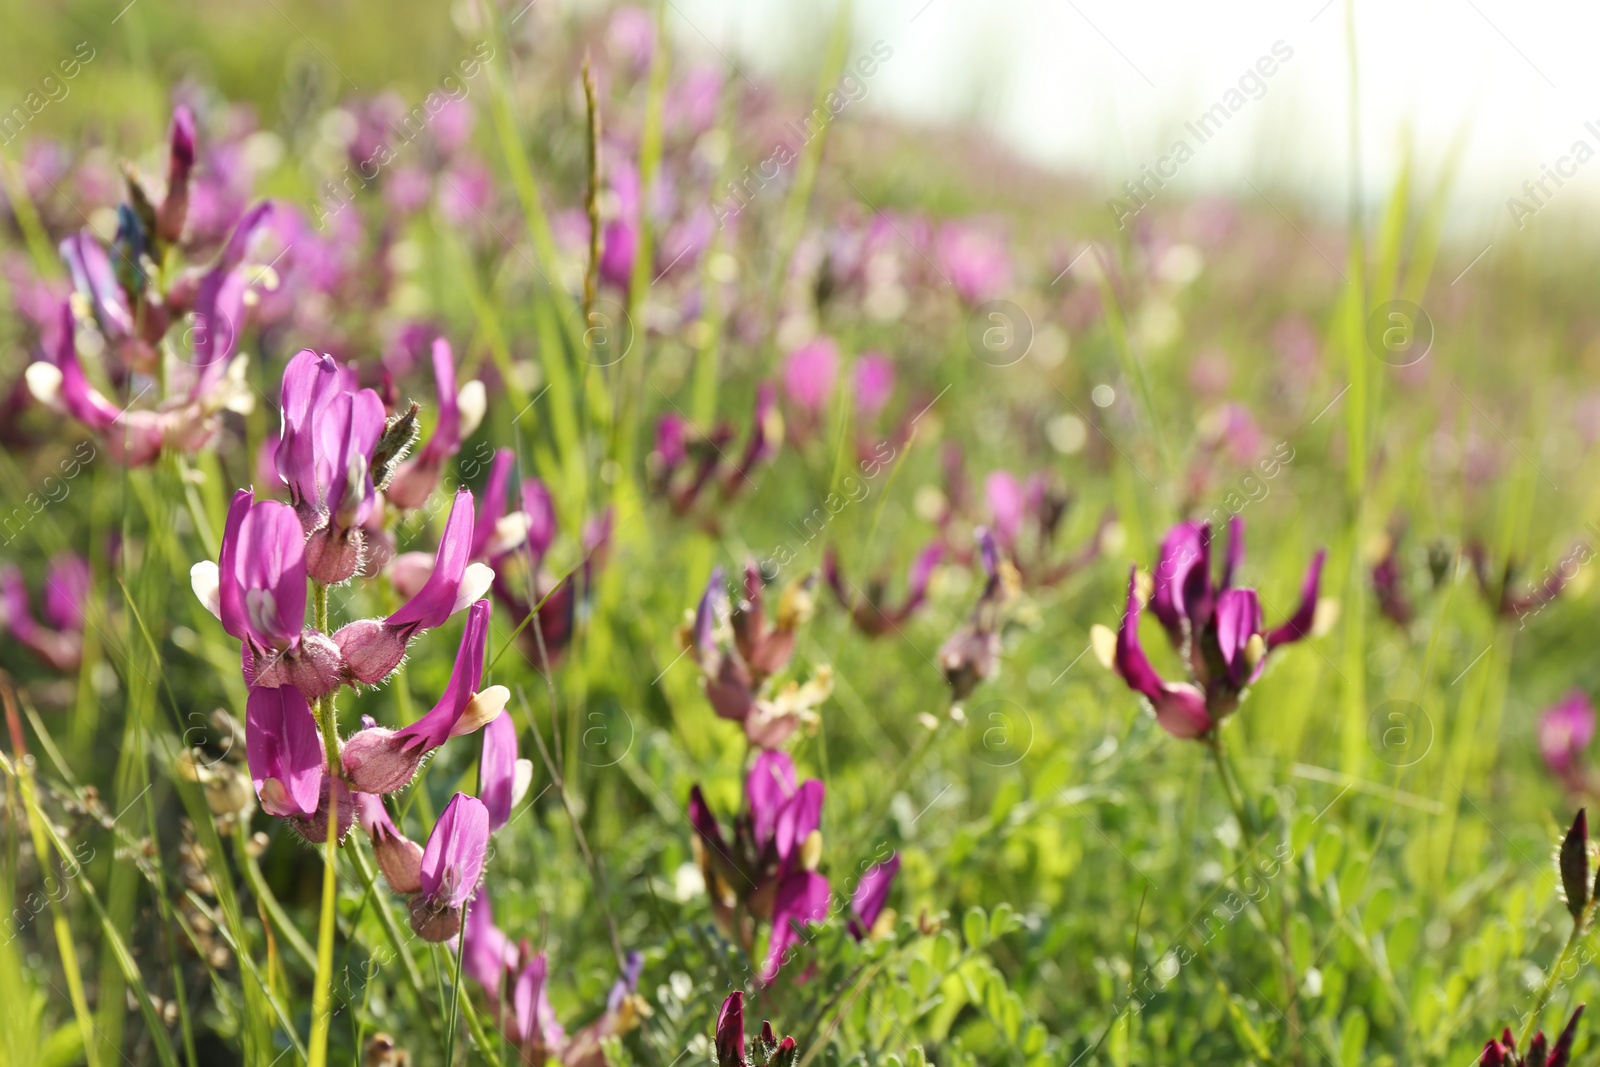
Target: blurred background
{"x": 1496, "y": 89}
{"x": 1103, "y": 87}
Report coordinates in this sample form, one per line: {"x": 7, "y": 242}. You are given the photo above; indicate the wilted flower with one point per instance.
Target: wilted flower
{"x": 1024, "y": 519}
{"x": 1217, "y": 629}
{"x": 683, "y": 462}
{"x": 737, "y": 674}
{"x": 868, "y": 609}
{"x": 972, "y": 653}
{"x": 1388, "y": 582}
{"x": 1502, "y": 594}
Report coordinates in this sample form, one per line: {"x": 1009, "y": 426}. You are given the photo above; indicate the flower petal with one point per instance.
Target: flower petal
{"x": 284, "y": 750}
{"x": 452, "y": 861}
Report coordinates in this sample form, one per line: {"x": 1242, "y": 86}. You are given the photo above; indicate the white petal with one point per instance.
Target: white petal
{"x": 472, "y": 401}
{"x": 474, "y": 583}
{"x": 1104, "y": 643}
{"x": 509, "y": 532}
{"x": 520, "y": 782}
{"x": 203, "y": 579}
{"x": 484, "y": 708}
{"x": 44, "y": 382}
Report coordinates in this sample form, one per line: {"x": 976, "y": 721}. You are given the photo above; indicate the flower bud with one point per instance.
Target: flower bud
{"x": 377, "y": 760}
{"x": 371, "y": 649}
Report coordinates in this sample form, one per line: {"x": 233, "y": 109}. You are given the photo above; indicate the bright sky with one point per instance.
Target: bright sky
{"x": 1105, "y": 86}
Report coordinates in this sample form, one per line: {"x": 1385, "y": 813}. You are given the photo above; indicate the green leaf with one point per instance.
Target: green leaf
{"x": 976, "y": 928}
{"x": 1353, "y": 1040}
{"x": 921, "y": 976}
{"x": 1375, "y": 916}
{"x": 1003, "y": 921}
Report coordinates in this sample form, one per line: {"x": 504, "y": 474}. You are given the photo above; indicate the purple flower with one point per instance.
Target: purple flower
{"x": 1388, "y": 582}
{"x": 309, "y": 381}
{"x": 495, "y": 533}
{"x": 729, "y": 1041}
{"x": 874, "y": 383}
{"x": 258, "y": 589}
{"x": 1217, "y": 628}
{"x": 380, "y": 760}
{"x": 1182, "y": 586}
{"x": 536, "y": 1029}
{"x": 631, "y": 34}
{"x": 284, "y": 749}
{"x": 540, "y": 510}
{"x": 58, "y": 640}
{"x": 619, "y": 240}
{"x": 487, "y": 954}
{"x": 459, "y": 415}
{"x": 502, "y": 777}
{"x": 975, "y": 260}
{"x": 373, "y": 648}
{"x": 325, "y": 458}
{"x": 624, "y": 1009}
{"x": 1007, "y": 508}
{"x": 809, "y": 375}
{"x": 1503, "y": 1053}
{"x": 219, "y": 302}
{"x": 452, "y": 863}
{"x": 872, "y": 892}
{"x": 684, "y": 462}
{"x": 133, "y": 437}
{"x": 770, "y": 863}
{"x": 1565, "y": 732}
{"x": 1180, "y": 708}
{"x": 766, "y": 437}
{"x": 96, "y": 283}
{"x": 802, "y": 898}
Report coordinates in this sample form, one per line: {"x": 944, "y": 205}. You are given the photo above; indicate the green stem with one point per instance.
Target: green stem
{"x": 1579, "y": 927}
{"x": 1230, "y": 786}
{"x": 1248, "y": 826}
{"x": 322, "y": 992}
{"x": 327, "y": 720}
